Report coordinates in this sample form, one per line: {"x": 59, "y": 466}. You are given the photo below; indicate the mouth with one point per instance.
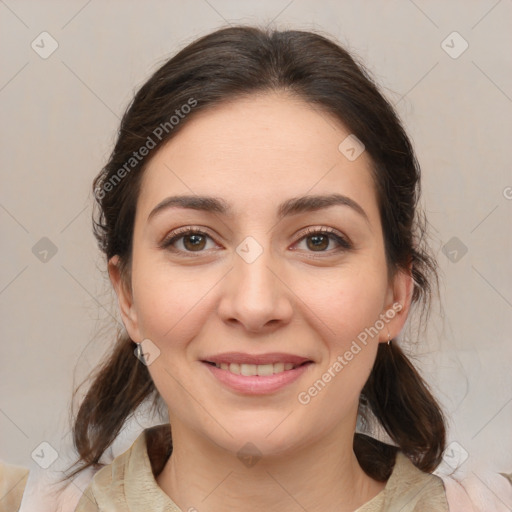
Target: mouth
{"x": 262, "y": 370}
{"x": 256, "y": 374}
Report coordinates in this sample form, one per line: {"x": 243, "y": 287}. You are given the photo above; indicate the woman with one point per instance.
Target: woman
{"x": 260, "y": 222}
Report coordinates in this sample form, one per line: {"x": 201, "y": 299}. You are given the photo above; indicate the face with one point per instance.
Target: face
{"x": 263, "y": 322}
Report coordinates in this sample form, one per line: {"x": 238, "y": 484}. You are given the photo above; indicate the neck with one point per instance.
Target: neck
{"x": 325, "y": 477}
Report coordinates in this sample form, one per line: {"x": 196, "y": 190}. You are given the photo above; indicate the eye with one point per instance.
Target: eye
{"x": 189, "y": 240}
{"x": 186, "y": 240}
{"x": 318, "y": 240}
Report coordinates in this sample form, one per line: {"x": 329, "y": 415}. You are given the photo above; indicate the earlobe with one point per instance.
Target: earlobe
{"x": 124, "y": 298}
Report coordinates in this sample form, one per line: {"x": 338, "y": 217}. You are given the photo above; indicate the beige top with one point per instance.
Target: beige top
{"x": 12, "y": 484}
{"x": 128, "y": 484}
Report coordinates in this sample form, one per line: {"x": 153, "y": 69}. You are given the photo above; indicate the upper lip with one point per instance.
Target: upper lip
{"x": 241, "y": 358}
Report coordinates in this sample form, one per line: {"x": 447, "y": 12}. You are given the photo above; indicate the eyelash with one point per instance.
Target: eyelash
{"x": 167, "y": 243}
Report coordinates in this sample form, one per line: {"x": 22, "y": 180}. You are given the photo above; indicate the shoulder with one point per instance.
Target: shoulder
{"x": 13, "y": 480}
{"x": 106, "y": 488}
{"x": 128, "y": 482}
{"x": 409, "y": 489}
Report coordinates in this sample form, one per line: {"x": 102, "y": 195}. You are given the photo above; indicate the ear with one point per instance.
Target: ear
{"x": 125, "y": 300}
{"x": 398, "y": 303}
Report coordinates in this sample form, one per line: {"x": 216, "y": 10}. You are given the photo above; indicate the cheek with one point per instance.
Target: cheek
{"x": 345, "y": 321}
{"x": 345, "y": 303}
{"x": 169, "y": 302}
{"x": 345, "y": 310}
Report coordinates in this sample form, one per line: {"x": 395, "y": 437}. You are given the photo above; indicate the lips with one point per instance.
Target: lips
{"x": 256, "y": 374}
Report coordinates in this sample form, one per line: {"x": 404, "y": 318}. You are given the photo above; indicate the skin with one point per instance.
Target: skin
{"x": 255, "y": 153}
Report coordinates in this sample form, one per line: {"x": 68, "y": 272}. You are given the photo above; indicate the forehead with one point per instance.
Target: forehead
{"x": 256, "y": 151}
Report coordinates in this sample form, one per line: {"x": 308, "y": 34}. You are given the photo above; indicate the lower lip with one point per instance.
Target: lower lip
{"x": 255, "y": 384}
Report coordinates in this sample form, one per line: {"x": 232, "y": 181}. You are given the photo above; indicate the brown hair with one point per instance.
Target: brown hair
{"x": 234, "y": 62}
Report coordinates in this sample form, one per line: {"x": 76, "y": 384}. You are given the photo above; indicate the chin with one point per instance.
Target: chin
{"x": 260, "y": 438}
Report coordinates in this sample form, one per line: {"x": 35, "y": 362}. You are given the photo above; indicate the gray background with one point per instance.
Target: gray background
{"x": 59, "y": 119}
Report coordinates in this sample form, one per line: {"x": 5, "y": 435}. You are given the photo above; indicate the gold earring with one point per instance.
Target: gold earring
{"x": 389, "y": 338}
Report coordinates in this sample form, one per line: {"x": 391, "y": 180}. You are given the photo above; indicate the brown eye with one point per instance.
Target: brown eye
{"x": 186, "y": 240}
{"x": 194, "y": 242}
{"x": 319, "y": 241}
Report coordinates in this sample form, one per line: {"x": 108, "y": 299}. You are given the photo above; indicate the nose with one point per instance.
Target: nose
{"x": 255, "y": 295}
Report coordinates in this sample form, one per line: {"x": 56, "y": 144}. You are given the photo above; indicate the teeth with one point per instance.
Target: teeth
{"x": 265, "y": 369}
{"x": 248, "y": 369}
{"x": 262, "y": 370}
{"x": 233, "y": 368}
{"x": 279, "y": 367}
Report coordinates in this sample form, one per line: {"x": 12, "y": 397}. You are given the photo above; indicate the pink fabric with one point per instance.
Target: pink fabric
{"x": 457, "y": 497}
{"x": 487, "y": 492}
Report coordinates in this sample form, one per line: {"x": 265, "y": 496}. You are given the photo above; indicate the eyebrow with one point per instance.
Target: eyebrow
{"x": 292, "y": 206}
